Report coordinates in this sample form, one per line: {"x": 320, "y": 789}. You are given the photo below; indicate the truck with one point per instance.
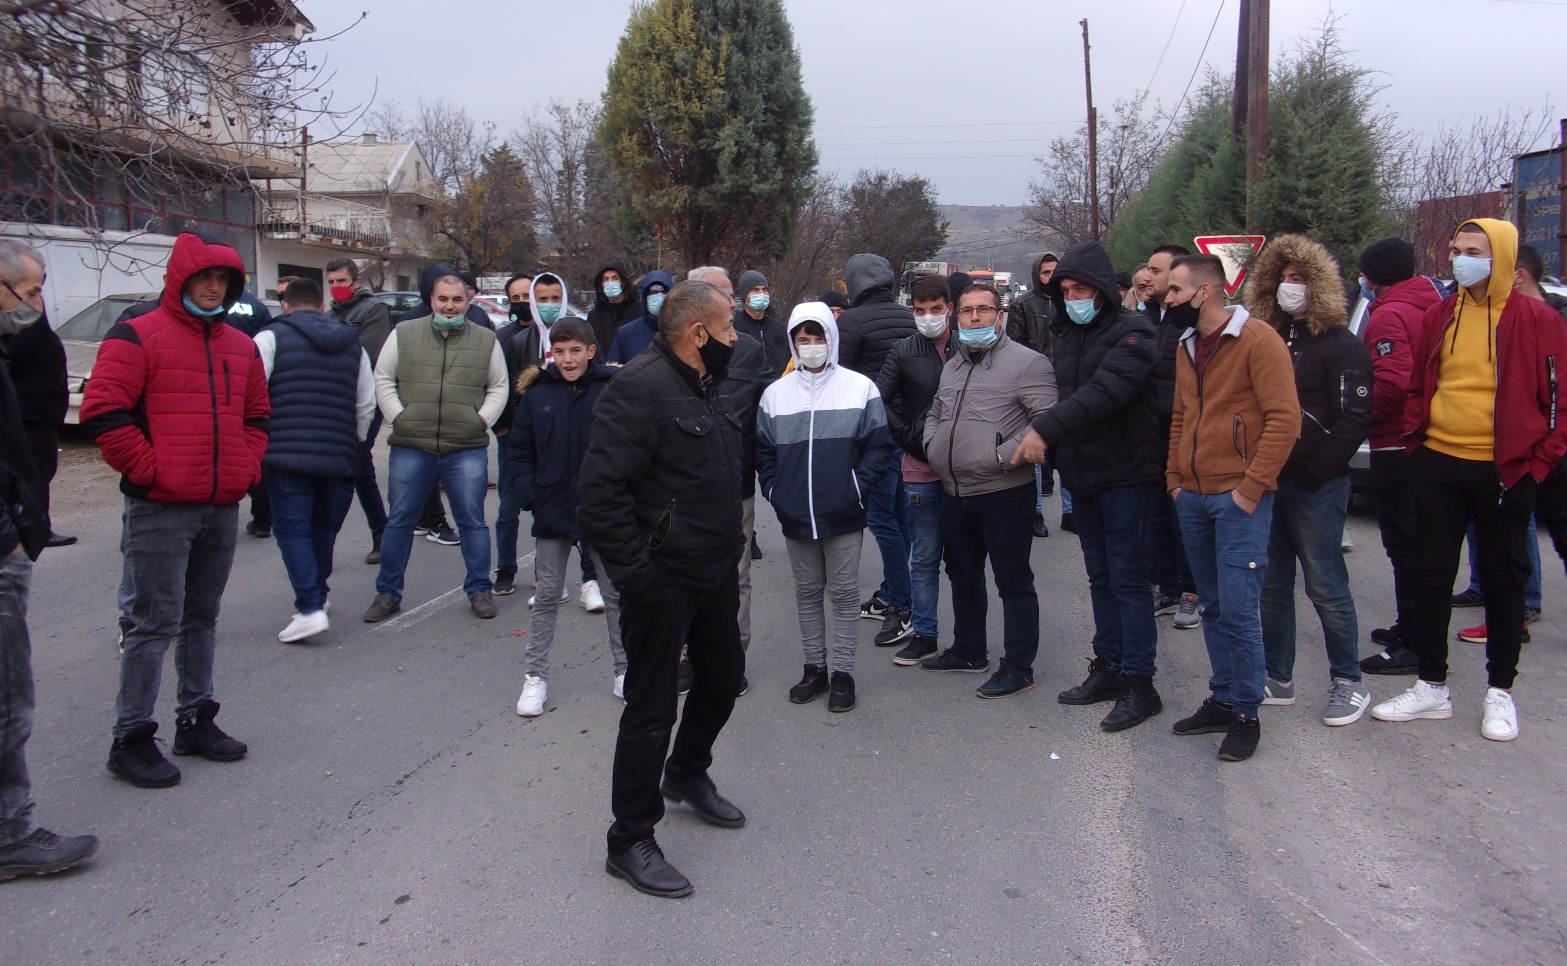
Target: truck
{"x": 913, "y": 271}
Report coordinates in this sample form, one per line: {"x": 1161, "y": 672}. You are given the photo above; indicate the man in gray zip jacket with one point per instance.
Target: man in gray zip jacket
{"x": 991, "y": 389}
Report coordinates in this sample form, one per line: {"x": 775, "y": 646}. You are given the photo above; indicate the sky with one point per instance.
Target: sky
{"x": 967, "y": 95}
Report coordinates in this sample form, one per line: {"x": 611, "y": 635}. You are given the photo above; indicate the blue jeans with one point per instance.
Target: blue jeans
{"x": 1309, "y": 527}
{"x": 1228, "y": 551}
{"x": 1532, "y": 596}
{"x": 413, "y": 474}
{"x": 924, "y": 501}
{"x": 887, "y": 516}
{"x": 307, "y": 513}
{"x": 365, "y": 484}
{"x": 998, "y": 526}
{"x": 1112, "y": 526}
{"x": 17, "y": 699}
{"x": 1066, "y": 501}
{"x": 178, "y": 556}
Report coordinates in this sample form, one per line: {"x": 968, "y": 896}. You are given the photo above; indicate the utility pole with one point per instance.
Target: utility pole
{"x": 1256, "y": 106}
{"x": 1242, "y": 67}
{"x": 1093, "y": 139}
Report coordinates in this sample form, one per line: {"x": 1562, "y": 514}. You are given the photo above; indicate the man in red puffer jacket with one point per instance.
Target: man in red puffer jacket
{"x": 178, "y": 404}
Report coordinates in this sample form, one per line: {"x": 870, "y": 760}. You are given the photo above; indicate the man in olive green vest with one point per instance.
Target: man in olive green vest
{"x": 441, "y": 384}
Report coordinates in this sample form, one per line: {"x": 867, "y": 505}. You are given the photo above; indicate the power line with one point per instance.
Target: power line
{"x": 1166, "y": 50}
{"x": 936, "y": 157}
{"x": 904, "y": 127}
{"x": 841, "y": 144}
{"x": 1195, "y": 68}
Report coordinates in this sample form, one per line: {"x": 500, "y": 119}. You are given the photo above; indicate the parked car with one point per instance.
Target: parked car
{"x": 399, "y": 302}
{"x": 82, "y": 333}
{"x": 499, "y": 314}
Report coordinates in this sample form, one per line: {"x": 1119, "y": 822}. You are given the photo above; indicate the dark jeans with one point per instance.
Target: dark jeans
{"x": 1168, "y": 567}
{"x": 365, "y": 485}
{"x": 43, "y": 442}
{"x": 1396, "y": 521}
{"x": 413, "y": 475}
{"x": 16, "y": 699}
{"x": 1228, "y": 550}
{"x": 508, "y": 520}
{"x": 1448, "y": 493}
{"x": 179, "y": 556}
{"x": 925, "y": 501}
{"x": 1113, "y": 526}
{"x": 700, "y": 611}
{"x": 1309, "y": 527}
{"x": 999, "y": 526}
{"x": 261, "y": 503}
{"x": 1550, "y": 508}
{"x": 887, "y": 515}
{"x": 307, "y": 512}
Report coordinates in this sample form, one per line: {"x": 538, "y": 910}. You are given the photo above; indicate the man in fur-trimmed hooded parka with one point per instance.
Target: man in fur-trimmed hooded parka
{"x": 1295, "y": 286}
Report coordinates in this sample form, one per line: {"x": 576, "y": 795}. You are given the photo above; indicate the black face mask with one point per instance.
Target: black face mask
{"x": 715, "y": 356}
{"x": 1183, "y": 316}
{"x": 522, "y": 312}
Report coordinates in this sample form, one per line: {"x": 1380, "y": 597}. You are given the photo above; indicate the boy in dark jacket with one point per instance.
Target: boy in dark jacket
{"x": 549, "y": 437}
{"x": 821, "y": 444}
{"x": 1295, "y": 287}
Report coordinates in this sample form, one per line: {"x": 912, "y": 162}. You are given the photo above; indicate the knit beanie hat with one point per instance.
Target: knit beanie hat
{"x": 748, "y": 280}
{"x": 1387, "y": 261}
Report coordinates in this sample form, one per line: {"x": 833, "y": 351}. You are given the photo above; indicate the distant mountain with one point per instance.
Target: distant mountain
{"x": 990, "y": 236}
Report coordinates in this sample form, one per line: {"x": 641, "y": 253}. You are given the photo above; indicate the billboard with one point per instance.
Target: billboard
{"x": 1538, "y": 214}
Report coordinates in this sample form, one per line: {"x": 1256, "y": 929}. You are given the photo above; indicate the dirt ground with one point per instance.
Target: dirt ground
{"x": 84, "y": 480}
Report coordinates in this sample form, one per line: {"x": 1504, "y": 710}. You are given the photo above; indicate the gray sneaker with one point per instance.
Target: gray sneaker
{"x": 482, "y": 604}
{"x": 1189, "y": 614}
{"x": 1278, "y": 692}
{"x": 1347, "y": 701}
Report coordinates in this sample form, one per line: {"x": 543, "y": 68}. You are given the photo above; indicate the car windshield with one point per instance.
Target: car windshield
{"x": 92, "y": 323}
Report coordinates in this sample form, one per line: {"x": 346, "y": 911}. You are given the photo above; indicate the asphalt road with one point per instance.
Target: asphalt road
{"x": 395, "y": 809}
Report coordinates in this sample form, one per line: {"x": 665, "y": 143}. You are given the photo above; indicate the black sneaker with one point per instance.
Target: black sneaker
{"x": 195, "y": 733}
{"x": 1469, "y": 598}
{"x": 505, "y": 582}
{"x": 842, "y": 696}
{"x": 384, "y": 606}
{"x": 1393, "y": 660}
{"x": 919, "y": 647}
{"x": 874, "y": 609}
{"x": 1102, "y": 684}
{"x": 1040, "y": 530}
{"x": 813, "y": 683}
{"x": 1240, "y": 741}
{"x": 444, "y": 535}
{"x": 374, "y": 556}
{"x": 685, "y": 677}
{"x": 1388, "y": 636}
{"x": 136, "y": 758}
{"x": 1209, "y": 718}
{"x": 261, "y": 531}
{"x": 745, "y": 686}
{"x": 1166, "y": 604}
{"x": 42, "y": 852}
{"x": 948, "y": 661}
{"x": 1004, "y": 684}
{"x": 894, "y": 627}
{"x": 1067, "y": 523}
{"x": 756, "y": 548}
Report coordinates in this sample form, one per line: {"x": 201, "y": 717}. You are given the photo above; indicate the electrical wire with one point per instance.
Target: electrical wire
{"x": 905, "y": 127}
{"x": 1178, "y": 104}
{"x": 1166, "y": 50}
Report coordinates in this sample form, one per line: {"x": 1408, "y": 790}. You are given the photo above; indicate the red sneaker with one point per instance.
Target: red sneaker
{"x": 1476, "y": 634}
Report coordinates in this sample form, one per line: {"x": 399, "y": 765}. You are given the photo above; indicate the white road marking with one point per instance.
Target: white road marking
{"x": 430, "y": 608}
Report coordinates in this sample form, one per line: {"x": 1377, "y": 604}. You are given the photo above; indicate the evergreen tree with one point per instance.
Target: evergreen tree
{"x": 707, "y": 126}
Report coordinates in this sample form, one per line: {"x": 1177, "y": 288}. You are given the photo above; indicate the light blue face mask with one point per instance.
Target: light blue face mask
{"x": 654, "y": 303}
{"x": 1471, "y": 270}
{"x": 1080, "y": 311}
{"x": 758, "y": 302}
{"x": 199, "y": 312}
{"x": 978, "y": 338}
{"x": 612, "y": 290}
{"x": 547, "y": 312}
{"x": 449, "y": 324}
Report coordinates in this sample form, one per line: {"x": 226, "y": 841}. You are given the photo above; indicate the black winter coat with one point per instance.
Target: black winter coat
{"x": 908, "y": 381}
{"x": 1102, "y": 432}
{"x": 1167, "y": 339}
{"x": 659, "y": 491}
{"x": 521, "y": 349}
{"x": 21, "y": 516}
{"x": 607, "y": 317}
{"x": 749, "y": 374}
{"x": 1333, "y": 380}
{"x": 548, "y": 440}
{"x": 36, "y": 359}
{"x": 371, "y": 316}
{"x": 770, "y": 334}
{"x": 867, "y": 332}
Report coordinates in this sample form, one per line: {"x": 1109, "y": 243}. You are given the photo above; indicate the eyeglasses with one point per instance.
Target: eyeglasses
{"x": 977, "y": 312}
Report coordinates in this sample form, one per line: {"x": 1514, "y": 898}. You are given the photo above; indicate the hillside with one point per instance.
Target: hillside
{"x": 989, "y": 236}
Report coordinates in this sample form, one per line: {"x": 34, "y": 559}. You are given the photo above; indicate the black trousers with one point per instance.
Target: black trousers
{"x": 43, "y": 442}
{"x": 1396, "y": 521}
{"x": 1447, "y": 494}
{"x": 702, "y": 613}
{"x": 261, "y": 504}
{"x": 1550, "y": 508}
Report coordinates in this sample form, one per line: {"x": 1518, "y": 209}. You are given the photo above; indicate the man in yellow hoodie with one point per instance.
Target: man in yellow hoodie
{"x": 1485, "y": 429}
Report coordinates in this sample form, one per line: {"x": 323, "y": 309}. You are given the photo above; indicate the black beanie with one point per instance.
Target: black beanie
{"x": 835, "y": 299}
{"x": 956, "y": 283}
{"x": 1387, "y": 261}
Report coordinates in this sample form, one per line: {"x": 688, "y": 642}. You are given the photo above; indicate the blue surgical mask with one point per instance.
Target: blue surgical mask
{"x": 199, "y": 312}
{"x": 758, "y": 302}
{"x": 1365, "y": 290}
{"x": 1081, "y": 311}
{"x": 547, "y": 312}
{"x": 654, "y": 303}
{"x": 978, "y": 338}
{"x": 1471, "y": 270}
{"x": 612, "y": 290}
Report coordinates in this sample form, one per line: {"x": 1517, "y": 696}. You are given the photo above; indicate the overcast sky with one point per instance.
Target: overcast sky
{"x": 965, "y": 94}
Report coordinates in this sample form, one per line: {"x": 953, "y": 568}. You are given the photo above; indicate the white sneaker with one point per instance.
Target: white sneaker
{"x": 592, "y": 601}
{"x": 534, "y": 690}
{"x": 1501, "y": 717}
{"x": 303, "y": 626}
{"x": 620, "y": 687}
{"x": 563, "y": 598}
{"x": 1422, "y": 700}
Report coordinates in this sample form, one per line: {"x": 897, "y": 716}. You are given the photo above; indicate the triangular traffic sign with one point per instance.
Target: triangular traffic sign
{"x": 1236, "y": 252}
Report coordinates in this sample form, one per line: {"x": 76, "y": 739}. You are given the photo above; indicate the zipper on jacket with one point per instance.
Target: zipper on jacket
{"x": 228, "y": 386}
{"x": 440, "y": 396}
{"x": 952, "y": 434}
{"x": 1201, "y": 403}
{"x": 1550, "y": 369}
{"x": 212, "y": 387}
{"x": 1238, "y": 438}
{"x": 810, "y": 473}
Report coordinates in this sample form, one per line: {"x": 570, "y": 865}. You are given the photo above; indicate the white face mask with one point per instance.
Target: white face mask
{"x": 932, "y": 327}
{"x": 1292, "y": 297}
{"x": 812, "y": 356}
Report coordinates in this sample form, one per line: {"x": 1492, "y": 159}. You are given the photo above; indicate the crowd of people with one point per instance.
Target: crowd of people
{"x": 1202, "y": 446}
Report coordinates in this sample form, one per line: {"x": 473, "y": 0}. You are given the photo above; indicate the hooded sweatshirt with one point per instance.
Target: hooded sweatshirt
{"x": 821, "y": 440}
{"x": 1463, "y": 411}
{"x": 607, "y": 317}
{"x": 635, "y": 336}
{"x": 875, "y": 323}
{"x": 1029, "y": 318}
{"x": 766, "y": 330}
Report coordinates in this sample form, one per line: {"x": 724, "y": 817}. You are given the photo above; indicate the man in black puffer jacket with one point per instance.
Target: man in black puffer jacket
{"x": 1106, "y": 445}
{"x": 866, "y": 333}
